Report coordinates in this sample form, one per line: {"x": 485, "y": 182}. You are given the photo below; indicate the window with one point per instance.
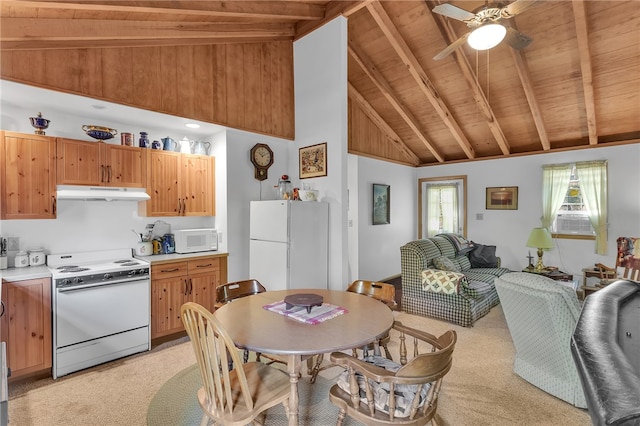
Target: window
{"x": 574, "y": 201}
{"x": 573, "y": 216}
{"x": 441, "y": 206}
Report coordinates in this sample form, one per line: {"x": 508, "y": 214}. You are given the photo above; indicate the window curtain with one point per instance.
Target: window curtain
{"x": 442, "y": 209}
{"x": 593, "y": 184}
{"x": 555, "y": 182}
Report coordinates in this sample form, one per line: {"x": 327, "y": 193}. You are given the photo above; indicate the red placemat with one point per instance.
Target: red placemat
{"x": 317, "y": 315}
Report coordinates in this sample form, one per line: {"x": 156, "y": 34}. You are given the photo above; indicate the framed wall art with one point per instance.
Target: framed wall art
{"x": 313, "y": 161}
{"x": 381, "y": 204}
{"x": 502, "y": 198}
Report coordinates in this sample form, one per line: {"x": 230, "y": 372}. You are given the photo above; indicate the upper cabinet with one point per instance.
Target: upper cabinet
{"x": 99, "y": 163}
{"x": 28, "y": 176}
{"x": 179, "y": 184}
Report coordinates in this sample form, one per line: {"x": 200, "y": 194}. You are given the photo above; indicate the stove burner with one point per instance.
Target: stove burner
{"x": 67, "y": 267}
{"x": 122, "y": 261}
{"x": 132, "y": 263}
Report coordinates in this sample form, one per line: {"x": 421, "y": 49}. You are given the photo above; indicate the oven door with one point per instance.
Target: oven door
{"x": 87, "y": 313}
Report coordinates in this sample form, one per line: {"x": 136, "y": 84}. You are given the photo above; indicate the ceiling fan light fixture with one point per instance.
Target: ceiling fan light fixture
{"x": 486, "y": 36}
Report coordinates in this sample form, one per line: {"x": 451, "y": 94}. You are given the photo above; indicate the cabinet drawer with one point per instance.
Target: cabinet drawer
{"x": 168, "y": 270}
{"x": 204, "y": 266}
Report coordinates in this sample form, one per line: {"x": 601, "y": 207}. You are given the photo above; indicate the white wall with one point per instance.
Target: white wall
{"x": 509, "y": 229}
{"x": 320, "y": 75}
{"x": 242, "y": 188}
{"x": 379, "y": 245}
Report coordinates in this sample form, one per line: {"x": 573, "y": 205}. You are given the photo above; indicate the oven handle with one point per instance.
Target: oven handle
{"x": 94, "y": 285}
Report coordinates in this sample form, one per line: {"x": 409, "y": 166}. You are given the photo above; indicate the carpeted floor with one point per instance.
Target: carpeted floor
{"x": 480, "y": 389}
{"x": 176, "y": 404}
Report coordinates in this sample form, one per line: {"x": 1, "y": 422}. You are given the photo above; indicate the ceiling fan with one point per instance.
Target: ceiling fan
{"x": 486, "y": 24}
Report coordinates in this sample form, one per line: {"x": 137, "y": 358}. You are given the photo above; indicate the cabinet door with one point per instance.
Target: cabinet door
{"x": 203, "y": 289}
{"x": 26, "y": 326}
{"x": 196, "y": 181}
{"x": 167, "y": 296}
{"x": 29, "y": 178}
{"x": 163, "y": 170}
{"x": 79, "y": 163}
{"x": 123, "y": 166}
{"x": 204, "y": 276}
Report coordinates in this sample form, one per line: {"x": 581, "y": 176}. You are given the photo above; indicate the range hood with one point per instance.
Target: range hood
{"x": 101, "y": 193}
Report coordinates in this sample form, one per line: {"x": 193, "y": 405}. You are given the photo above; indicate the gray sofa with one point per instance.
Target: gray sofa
{"x": 474, "y": 296}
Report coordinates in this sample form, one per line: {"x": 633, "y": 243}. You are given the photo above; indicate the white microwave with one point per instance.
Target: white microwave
{"x": 194, "y": 240}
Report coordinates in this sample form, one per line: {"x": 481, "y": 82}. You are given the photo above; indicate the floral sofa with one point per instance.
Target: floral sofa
{"x": 438, "y": 280}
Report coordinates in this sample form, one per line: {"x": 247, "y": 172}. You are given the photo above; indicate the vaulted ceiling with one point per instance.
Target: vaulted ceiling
{"x": 576, "y": 85}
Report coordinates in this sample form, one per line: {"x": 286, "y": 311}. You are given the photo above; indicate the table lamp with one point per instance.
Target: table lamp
{"x": 540, "y": 238}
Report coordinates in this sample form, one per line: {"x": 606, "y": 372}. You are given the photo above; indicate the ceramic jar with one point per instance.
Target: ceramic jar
{"x": 143, "y": 142}
{"x": 22, "y": 259}
{"x": 36, "y": 257}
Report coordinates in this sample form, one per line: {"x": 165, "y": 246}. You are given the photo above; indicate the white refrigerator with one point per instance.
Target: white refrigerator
{"x": 289, "y": 243}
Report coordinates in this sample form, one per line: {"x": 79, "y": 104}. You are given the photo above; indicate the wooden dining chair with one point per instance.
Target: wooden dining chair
{"x": 626, "y": 260}
{"x": 229, "y": 292}
{"x": 377, "y": 391}
{"x": 230, "y": 396}
{"x": 384, "y": 292}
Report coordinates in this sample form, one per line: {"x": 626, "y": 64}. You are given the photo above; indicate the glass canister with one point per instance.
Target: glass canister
{"x": 22, "y": 259}
{"x": 285, "y": 188}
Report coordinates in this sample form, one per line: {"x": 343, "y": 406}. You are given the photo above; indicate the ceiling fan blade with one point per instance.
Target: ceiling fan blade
{"x": 450, "y": 48}
{"x": 516, "y": 39}
{"x": 454, "y": 12}
{"x": 516, "y": 8}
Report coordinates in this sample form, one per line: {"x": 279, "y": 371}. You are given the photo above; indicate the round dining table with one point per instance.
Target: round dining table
{"x": 253, "y": 327}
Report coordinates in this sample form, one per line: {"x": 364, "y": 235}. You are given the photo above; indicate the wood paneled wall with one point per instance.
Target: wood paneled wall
{"x": 366, "y": 139}
{"x": 243, "y": 86}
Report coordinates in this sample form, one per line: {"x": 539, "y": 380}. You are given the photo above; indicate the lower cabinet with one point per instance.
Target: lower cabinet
{"x": 26, "y": 326}
{"x": 174, "y": 283}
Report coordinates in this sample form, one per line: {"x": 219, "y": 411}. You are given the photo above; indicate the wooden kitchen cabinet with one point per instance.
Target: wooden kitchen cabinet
{"x": 174, "y": 283}
{"x": 99, "y": 164}
{"x": 27, "y": 176}
{"x": 197, "y": 182}
{"x": 179, "y": 184}
{"x": 26, "y": 326}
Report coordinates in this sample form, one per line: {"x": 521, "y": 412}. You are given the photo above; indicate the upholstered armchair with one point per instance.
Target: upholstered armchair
{"x": 541, "y": 315}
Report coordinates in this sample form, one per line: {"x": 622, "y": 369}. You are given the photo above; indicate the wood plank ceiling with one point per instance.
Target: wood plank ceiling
{"x": 577, "y": 85}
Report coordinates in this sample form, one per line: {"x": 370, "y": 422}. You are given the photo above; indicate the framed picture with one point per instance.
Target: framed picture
{"x": 381, "y": 203}
{"x": 313, "y": 161}
{"x": 502, "y": 198}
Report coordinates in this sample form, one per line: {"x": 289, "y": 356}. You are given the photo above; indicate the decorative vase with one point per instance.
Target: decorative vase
{"x": 143, "y": 142}
{"x": 39, "y": 123}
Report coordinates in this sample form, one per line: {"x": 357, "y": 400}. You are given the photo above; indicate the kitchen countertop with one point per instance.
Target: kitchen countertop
{"x": 27, "y": 273}
{"x": 35, "y": 272}
{"x": 156, "y": 258}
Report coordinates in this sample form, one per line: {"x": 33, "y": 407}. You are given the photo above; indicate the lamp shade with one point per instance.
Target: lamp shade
{"x": 540, "y": 238}
{"x": 486, "y": 36}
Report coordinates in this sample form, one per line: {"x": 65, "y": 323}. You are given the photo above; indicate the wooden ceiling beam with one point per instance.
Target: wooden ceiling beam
{"x": 582, "y": 36}
{"x": 271, "y": 10}
{"x": 333, "y": 9}
{"x": 419, "y": 75}
{"x": 381, "y": 83}
{"x": 29, "y": 33}
{"x": 384, "y": 127}
{"x": 527, "y": 85}
{"x": 449, "y": 35}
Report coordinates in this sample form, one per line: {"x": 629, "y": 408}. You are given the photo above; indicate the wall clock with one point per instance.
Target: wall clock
{"x": 262, "y": 159}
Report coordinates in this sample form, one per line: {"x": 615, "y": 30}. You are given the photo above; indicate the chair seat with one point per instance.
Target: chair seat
{"x": 266, "y": 385}
{"x": 404, "y": 394}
